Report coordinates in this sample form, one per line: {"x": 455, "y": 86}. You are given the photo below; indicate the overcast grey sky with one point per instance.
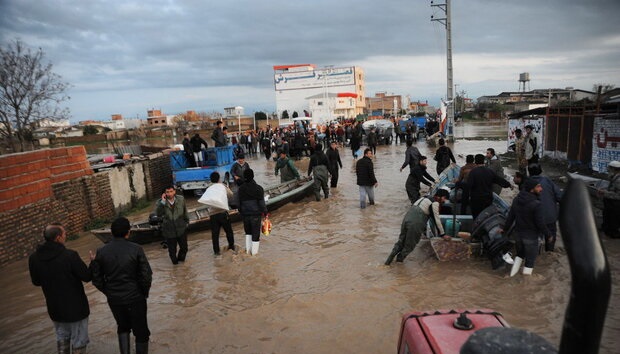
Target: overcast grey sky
{"x": 126, "y": 56}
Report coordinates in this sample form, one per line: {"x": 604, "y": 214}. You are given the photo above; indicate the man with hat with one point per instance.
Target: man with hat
{"x": 611, "y": 201}
{"x": 286, "y": 167}
{"x": 526, "y": 213}
{"x": 414, "y": 224}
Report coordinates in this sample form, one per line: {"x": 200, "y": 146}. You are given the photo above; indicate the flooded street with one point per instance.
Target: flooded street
{"x": 319, "y": 284}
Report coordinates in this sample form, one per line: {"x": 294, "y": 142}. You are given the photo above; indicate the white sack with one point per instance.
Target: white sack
{"x": 215, "y": 196}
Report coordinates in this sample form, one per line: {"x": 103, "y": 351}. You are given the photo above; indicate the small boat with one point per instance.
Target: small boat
{"x": 199, "y": 219}
{"x": 486, "y": 331}
{"x": 461, "y": 226}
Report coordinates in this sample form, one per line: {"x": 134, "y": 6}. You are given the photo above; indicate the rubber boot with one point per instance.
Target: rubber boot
{"x": 142, "y": 348}
{"x": 527, "y": 271}
{"x": 248, "y": 244}
{"x": 391, "y": 258}
{"x": 123, "y": 343}
{"x": 81, "y": 350}
{"x": 255, "y": 248}
{"x": 64, "y": 346}
{"x": 515, "y": 267}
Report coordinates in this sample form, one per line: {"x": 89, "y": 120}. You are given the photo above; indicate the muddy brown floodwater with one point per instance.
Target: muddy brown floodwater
{"x": 318, "y": 285}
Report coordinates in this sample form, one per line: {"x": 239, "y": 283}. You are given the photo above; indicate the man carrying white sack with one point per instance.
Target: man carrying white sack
{"x": 216, "y": 198}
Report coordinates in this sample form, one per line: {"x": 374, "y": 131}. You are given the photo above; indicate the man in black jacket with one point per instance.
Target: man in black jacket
{"x": 333, "y": 163}
{"x": 418, "y": 175}
{"x": 251, "y": 207}
{"x": 122, "y": 272}
{"x": 480, "y": 184}
{"x": 219, "y": 136}
{"x": 527, "y": 214}
{"x": 366, "y": 180}
{"x": 60, "y": 272}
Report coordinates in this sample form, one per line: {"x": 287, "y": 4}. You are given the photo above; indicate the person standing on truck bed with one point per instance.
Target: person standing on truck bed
{"x": 218, "y": 135}
{"x": 197, "y": 143}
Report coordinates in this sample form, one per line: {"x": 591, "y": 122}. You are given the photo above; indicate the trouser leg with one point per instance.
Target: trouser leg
{"x": 172, "y": 249}
{"x": 325, "y": 187}
{"x": 230, "y": 237}
{"x": 530, "y": 252}
{"x": 182, "y": 247}
{"x": 317, "y": 188}
{"x": 550, "y": 240}
{"x": 362, "y": 196}
{"x": 413, "y": 189}
{"x": 216, "y": 224}
{"x": 412, "y": 237}
{"x": 371, "y": 194}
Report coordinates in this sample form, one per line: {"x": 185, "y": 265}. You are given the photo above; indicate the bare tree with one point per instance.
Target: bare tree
{"x": 29, "y": 91}
{"x": 604, "y": 87}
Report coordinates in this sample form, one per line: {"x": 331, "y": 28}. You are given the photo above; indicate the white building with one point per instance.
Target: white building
{"x": 297, "y": 87}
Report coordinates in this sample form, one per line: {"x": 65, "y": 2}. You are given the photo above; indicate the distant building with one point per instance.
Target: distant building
{"x": 549, "y": 96}
{"x": 384, "y": 103}
{"x": 46, "y": 122}
{"x": 155, "y": 118}
{"x": 299, "y": 86}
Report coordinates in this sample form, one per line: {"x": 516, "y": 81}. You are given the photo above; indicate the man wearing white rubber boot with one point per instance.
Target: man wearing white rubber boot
{"x": 251, "y": 207}
{"x": 526, "y": 213}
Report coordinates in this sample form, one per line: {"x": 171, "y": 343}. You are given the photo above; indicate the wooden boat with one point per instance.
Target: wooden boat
{"x": 486, "y": 331}
{"x": 458, "y": 226}
{"x": 199, "y": 219}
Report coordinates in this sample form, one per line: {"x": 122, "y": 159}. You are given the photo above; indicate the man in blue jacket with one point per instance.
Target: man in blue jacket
{"x": 549, "y": 198}
{"x": 60, "y": 272}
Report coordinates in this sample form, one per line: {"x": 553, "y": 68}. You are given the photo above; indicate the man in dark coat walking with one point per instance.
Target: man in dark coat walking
{"x": 418, "y": 175}
{"x": 60, "y": 272}
{"x": 412, "y": 159}
{"x": 366, "y": 180}
{"x": 333, "y": 163}
{"x": 122, "y": 272}
{"x": 251, "y": 207}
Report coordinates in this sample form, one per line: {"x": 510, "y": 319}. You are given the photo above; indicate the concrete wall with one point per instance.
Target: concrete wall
{"x": 58, "y": 185}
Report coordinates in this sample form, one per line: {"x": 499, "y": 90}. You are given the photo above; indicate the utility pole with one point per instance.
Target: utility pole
{"x": 445, "y": 7}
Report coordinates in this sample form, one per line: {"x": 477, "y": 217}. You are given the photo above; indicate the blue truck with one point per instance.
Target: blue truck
{"x": 185, "y": 177}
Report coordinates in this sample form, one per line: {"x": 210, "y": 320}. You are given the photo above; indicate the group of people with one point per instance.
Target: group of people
{"x": 119, "y": 269}
{"x": 533, "y": 212}
{"x": 122, "y": 272}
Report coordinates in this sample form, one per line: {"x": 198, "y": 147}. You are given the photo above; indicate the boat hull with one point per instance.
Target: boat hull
{"x": 199, "y": 218}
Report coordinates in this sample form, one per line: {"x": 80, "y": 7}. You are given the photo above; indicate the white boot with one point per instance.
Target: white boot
{"x": 248, "y": 244}
{"x": 516, "y": 265}
{"x": 255, "y": 248}
{"x": 527, "y": 271}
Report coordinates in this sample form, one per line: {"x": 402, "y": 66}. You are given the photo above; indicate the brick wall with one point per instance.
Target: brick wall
{"x": 27, "y": 178}
{"x": 158, "y": 174}
{"x": 52, "y": 185}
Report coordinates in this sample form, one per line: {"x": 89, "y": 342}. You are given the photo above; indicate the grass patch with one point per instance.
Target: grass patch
{"x": 96, "y": 223}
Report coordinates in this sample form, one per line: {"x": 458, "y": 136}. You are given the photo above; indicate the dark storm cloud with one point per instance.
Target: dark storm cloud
{"x": 120, "y": 45}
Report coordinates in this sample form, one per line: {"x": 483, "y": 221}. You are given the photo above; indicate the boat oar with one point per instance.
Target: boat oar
{"x": 591, "y": 280}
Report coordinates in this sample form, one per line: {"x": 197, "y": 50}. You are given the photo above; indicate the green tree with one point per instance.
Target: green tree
{"x": 29, "y": 91}
{"x": 90, "y": 130}
{"x": 285, "y": 114}
{"x": 260, "y": 116}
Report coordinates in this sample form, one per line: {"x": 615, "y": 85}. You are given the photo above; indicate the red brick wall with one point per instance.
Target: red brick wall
{"x": 27, "y": 178}
{"x": 53, "y": 185}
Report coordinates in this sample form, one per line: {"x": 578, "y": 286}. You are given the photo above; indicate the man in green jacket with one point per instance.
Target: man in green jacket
{"x": 285, "y": 166}
{"x": 173, "y": 212}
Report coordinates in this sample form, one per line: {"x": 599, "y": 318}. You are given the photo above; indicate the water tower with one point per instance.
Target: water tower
{"x": 524, "y": 78}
